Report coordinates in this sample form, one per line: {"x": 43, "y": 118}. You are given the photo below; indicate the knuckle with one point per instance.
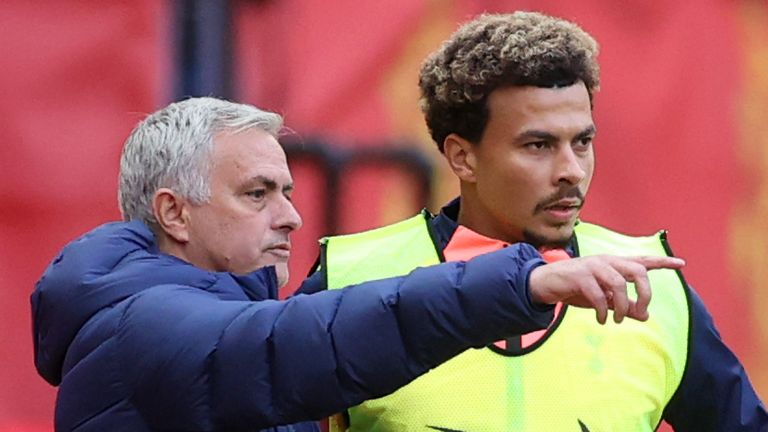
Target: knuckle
{"x": 618, "y": 282}
{"x": 638, "y": 270}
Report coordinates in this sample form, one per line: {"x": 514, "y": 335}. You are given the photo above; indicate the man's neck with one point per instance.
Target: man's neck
{"x": 479, "y": 223}
{"x": 170, "y": 247}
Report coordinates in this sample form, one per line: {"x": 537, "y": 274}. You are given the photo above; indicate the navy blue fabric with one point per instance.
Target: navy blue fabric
{"x": 142, "y": 341}
{"x": 715, "y": 393}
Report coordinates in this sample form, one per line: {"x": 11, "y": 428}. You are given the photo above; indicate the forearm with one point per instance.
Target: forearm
{"x": 260, "y": 364}
{"x": 366, "y": 341}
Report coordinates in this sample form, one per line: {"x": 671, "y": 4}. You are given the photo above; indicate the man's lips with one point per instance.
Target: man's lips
{"x": 564, "y": 204}
{"x": 562, "y": 201}
{"x": 563, "y": 210}
{"x": 282, "y": 250}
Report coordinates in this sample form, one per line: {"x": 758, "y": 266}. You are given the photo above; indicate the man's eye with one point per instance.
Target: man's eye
{"x": 537, "y": 145}
{"x": 257, "y": 194}
{"x": 585, "y": 142}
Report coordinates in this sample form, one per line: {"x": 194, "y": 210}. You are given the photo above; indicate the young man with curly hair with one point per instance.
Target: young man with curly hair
{"x": 508, "y": 100}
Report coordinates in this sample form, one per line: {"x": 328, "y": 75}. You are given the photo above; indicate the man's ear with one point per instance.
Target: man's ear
{"x": 460, "y": 154}
{"x": 171, "y": 213}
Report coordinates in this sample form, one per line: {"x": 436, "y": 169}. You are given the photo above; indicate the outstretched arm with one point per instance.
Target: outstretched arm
{"x": 241, "y": 365}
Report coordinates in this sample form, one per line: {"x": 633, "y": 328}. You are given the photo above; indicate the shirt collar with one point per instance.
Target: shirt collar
{"x": 445, "y": 225}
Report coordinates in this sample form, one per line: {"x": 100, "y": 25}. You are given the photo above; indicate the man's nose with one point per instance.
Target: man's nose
{"x": 287, "y": 217}
{"x": 569, "y": 167}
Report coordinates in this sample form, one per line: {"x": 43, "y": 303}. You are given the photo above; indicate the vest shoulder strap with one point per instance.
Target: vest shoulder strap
{"x": 595, "y": 238}
{"x": 389, "y": 251}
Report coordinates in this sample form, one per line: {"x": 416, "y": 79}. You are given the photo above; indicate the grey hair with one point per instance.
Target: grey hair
{"x": 172, "y": 147}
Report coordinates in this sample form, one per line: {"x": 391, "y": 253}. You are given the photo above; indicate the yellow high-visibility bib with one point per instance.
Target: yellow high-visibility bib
{"x": 585, "y": 376}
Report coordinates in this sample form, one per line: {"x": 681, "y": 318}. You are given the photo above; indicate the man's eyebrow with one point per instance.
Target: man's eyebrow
{"x": 548, "y": 136}
{"x": 271, "y": 184}
{"x": 537, "y": 134}
{"x": 587, "y": 132}
{"x": 267, "y": 182}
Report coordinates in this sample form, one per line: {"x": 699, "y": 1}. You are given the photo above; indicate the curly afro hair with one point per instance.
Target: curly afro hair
{"x": 500, "y": 50}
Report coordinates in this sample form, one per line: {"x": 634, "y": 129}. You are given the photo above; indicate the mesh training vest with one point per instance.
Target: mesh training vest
{"x": 584, "y": 377}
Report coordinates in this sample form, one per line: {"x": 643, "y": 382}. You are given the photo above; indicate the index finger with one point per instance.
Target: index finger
{"x": 659, "y": 262}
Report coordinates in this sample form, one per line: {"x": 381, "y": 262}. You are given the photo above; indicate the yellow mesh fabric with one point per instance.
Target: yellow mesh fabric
{"x": 616, "y": 377}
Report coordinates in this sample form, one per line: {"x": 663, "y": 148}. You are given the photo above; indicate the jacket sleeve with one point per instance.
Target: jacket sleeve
{"x": 715, "y": 393}
{"x": 312, "y": 284}
{"x": 195, "y": 361}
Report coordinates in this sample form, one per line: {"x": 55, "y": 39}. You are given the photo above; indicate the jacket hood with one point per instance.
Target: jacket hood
{"x": 106, "y": 266}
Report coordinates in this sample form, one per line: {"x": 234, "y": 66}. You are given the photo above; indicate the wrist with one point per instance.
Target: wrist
{"x": 535, "y": 301}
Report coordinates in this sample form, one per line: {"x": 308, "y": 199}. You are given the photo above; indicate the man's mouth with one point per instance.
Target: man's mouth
{"x": 563, "y": 210}
{"x": 564, "y": 201}
{"x": 564, "y": 204}
{"x": 282, "y": 250}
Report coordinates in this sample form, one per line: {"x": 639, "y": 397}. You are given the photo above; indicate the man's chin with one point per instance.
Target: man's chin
{"x": 550, "y": 238}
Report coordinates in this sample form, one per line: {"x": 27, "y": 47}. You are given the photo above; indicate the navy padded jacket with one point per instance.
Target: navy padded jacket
{"x": 141, "y": 341}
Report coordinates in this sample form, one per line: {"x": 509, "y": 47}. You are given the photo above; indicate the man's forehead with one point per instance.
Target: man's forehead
{"x": 254, "y": 152}
{"x": 523, "y": 98}
{"x": 524, "y": 109}
{"x": 252, "y": 142}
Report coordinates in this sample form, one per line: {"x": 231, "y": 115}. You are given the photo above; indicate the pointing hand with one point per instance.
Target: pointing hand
{"x": 599, "y": 282}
